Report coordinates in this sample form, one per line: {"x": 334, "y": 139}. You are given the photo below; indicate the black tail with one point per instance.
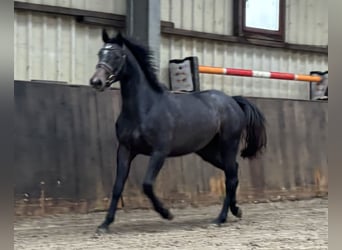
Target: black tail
{"x": 255, "y": 138}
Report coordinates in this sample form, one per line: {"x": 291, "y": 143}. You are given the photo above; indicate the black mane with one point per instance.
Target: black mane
{"x": 144, "y": 56}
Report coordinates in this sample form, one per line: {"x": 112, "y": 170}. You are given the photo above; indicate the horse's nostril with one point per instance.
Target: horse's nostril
{"x": 95, "y": 82}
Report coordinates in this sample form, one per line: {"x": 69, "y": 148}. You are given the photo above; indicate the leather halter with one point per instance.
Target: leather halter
{"x": 106, "y": 62}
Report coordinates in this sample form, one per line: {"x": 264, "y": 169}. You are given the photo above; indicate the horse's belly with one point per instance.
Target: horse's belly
{"x": 192, "y": 140}
{"x": 187, "y": 149}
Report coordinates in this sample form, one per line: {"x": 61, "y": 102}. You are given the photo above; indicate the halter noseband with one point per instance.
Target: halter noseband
{"x": 105, "y": 64}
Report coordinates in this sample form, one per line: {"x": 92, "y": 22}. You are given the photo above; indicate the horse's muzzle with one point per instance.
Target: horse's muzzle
{"x": 97, "y": 83}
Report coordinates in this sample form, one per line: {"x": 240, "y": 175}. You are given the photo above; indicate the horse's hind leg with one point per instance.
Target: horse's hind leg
{"x": 214, "y": 153}
{"x": 229, "y": 151}
{"x": 156, "y": 163}
{"x": 236, "y": 211}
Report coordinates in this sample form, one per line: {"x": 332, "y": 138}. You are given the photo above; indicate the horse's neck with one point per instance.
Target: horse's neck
{"x": 137, "y": 95}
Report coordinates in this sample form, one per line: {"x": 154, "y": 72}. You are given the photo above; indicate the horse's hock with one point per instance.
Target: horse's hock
{"x": 70, "y": 146}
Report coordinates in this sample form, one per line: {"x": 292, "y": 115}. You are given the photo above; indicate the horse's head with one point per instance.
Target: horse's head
{"x": 111, "y": 62}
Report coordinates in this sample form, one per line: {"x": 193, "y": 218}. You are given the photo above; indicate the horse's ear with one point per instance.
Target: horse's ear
{"x": 119, "y": 38}
{"x": 105, "y": 36}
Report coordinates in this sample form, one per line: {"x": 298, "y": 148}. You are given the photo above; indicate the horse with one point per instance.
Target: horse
{"x": 158, "y": 123}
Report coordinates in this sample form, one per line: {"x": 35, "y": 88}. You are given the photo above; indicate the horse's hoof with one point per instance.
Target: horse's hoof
{"x": 218, "y": 221}
{"x": 167, "y": 215}
{"x": 102, "y": 230}
{"x": 170, "y": 216}
{"x": 237, "y": 213}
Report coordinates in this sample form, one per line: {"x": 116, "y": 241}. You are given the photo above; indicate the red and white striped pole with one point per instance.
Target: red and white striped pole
{"x": 258, "y": 74}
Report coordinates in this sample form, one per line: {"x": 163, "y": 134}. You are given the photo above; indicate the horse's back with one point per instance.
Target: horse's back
{"x": 207, "y": 104}
{"x": 220, "y": 100}
{"x": 232, "y": 117}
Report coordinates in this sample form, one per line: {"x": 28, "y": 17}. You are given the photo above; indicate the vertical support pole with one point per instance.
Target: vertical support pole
{"x": 195, "y": 73}
{"x": 143, "y": 23}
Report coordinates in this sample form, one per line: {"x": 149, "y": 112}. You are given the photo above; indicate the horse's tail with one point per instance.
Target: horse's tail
{"x": 254, "y": 138}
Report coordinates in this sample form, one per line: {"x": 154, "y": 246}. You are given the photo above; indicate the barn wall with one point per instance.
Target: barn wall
{"x": 306, "y": 20}
{"x": 65, "y": 154}
{"x": 213, "y": 16}
{"x": 306, "y": 24}
{"x": 233, "y": 55}
{"x": 109, "y": 6}
{"x": 57, "y": 48}
{"x": 54, "y": 48}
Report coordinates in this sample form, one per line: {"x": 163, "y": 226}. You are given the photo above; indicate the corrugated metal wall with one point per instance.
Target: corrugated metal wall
{"x": 60, "y": 49}
{"x": 110, "y": 6}
{"x": 306, "y": 20}
{"x": 306, "y": 23}
{"x": 213, "y": 16}
{"x": 54, "y": 48}
{"x": 234, "y": 55}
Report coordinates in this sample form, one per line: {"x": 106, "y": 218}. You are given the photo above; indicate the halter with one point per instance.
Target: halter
{"x": 106, "y": 62}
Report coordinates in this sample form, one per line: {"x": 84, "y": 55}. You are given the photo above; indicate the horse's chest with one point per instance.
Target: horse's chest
{"x": 128, "y": 134}
{"x": 131, "y": 136}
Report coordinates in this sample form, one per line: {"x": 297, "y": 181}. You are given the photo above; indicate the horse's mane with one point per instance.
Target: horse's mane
{"x": 144, "y": 56}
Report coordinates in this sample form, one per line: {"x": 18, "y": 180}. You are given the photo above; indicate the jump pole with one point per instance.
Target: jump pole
{"x": 258, "y": 74}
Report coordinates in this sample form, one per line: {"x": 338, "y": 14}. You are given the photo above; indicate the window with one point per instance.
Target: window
{"x": 263, "y": 19}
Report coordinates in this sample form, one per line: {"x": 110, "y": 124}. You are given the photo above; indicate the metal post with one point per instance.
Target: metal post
{"x": 143, "y": 23}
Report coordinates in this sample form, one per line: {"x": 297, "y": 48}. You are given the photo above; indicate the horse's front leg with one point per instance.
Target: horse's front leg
{"x": 155, "y": 164}
{"x": 124, "y": 158}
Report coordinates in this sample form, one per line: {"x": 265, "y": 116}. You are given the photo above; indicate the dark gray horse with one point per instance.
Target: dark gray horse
{"x": 155, "y": 122}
